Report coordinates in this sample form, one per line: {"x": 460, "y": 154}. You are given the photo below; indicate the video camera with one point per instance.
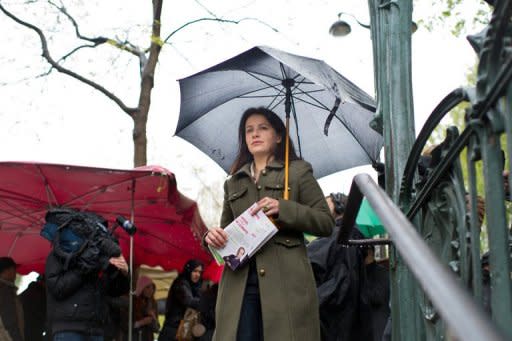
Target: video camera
{"x": 82, "y": 239}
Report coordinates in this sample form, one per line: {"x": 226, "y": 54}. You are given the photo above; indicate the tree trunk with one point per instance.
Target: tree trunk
{"x": 140, "y": 118}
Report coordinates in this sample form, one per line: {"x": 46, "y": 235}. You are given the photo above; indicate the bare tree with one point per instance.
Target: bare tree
{"x": 147, "y": 57}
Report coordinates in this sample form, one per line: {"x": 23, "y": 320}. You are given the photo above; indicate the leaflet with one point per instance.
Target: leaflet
{"x": 246, "y": 235}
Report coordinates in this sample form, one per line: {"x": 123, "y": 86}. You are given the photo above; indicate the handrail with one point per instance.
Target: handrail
{"x": 456, "y": 307}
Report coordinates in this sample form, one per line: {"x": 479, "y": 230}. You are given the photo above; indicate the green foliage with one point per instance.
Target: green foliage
{"x": 453, "y": 14}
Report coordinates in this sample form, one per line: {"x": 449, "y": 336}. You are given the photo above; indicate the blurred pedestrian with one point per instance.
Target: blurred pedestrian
{"x": 145, "y": 310}
{"x": 207, "y": 306}
{"x": 376, "y": 292}
{"x": 184, "y": 293}
{"x": 76, "y": 299}
{"x": 33, "y": 300}
{"x": 339, "y": 276}
{"x": 11, "y": 310}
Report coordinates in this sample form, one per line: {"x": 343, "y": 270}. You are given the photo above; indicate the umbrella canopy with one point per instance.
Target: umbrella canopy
{"x": 330, "y": 114}
{"x": 367, "y": 220}
{"x": 169, "y": 226}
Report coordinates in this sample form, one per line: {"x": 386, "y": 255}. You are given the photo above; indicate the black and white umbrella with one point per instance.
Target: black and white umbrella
{"x": 330, "y": 115}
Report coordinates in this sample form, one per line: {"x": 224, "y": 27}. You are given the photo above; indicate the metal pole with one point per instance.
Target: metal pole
{"x": 130, "y": 295}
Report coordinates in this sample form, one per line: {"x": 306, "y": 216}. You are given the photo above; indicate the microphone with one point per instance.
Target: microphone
{"x": 127, "y": 225}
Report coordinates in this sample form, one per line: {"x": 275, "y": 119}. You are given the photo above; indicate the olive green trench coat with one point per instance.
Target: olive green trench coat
{"x": 286, "y": 283}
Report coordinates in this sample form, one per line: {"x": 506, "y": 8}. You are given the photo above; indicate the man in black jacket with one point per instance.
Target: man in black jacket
{"x": 11, "y": 311}
{"x": 376, "y": 292}
{"x": 33, "y": 300}
{"x": 339, "y": 272}
{"x": 76, "y": 299}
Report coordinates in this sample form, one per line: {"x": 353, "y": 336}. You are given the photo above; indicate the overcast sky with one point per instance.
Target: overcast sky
{"x": 57, "y": 119}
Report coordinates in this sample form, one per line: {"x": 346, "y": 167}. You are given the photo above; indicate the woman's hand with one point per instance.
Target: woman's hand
{"x": 216, "y": 237}
{"x": 269, "y": 206}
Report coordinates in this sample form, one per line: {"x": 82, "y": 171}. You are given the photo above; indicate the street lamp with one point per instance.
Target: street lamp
{"x": 341, "y": 28}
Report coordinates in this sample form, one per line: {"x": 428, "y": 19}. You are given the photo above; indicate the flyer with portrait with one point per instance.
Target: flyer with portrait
{"x": 246, "y": 235}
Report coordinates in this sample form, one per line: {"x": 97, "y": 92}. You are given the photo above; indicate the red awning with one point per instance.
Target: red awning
{"x": 169, "y": 225}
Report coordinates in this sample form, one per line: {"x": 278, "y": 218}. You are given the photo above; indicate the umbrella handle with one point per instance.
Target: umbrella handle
{"x": 286, "y": 159}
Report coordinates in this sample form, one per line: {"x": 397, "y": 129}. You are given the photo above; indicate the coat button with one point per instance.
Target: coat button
{"x": 262, "y": 272}
{"x": 259, "y": 187}
{"x": 288, "y": 241}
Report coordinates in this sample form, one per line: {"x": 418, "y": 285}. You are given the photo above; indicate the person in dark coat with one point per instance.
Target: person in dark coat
{"x": 33, "y": 300}
{"x": 376, "y": 292}
{"x": 76, "y": 300}
{"x": 145, "y": 315}
{"x": 11, "y": 311}
{"x": 339, "y": 274}
{"x": 207, "y": 309}
{"x": 184, "y": 293}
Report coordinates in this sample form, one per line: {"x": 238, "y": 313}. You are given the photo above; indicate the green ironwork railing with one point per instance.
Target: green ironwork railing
{"x": 455, "y": 305}
{"x": 443, "y": 207}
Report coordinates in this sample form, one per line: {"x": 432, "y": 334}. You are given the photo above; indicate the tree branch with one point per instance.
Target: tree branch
{"x": 46, "y": 54}
{"x": 73, "y": 51}
{"x": 96, "y": 41}
{"x": 217, "y": 20}
{"x": 125, "y": 46}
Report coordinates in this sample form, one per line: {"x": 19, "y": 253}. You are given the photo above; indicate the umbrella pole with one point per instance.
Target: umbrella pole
{"x": 287, "y": 83}
{"x": 286, "y": 158}
{"x": 130, "y": 295}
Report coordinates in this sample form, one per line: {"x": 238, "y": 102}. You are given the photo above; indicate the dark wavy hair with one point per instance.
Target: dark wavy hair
{"x": 186, "y": 274}
{"x": 244, "y": 156}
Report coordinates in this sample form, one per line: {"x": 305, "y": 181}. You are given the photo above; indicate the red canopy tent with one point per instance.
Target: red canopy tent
{"x": 169, "y": 227}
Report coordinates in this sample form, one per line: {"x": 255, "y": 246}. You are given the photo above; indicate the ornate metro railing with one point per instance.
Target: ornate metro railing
{"x": 442, "y": 235}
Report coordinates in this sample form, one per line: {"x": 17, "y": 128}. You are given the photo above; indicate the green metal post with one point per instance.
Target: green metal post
{"x": 391, "y": 23}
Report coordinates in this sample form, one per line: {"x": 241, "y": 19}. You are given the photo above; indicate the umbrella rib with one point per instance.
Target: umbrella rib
{"x": 102, "y": 189}
{"x": 279, "y": 102}
{"x": 311, "y": 97}
{"x": 355, "y": 138}
{"x": 280, "y": 94}
{"x": 263, "y": 81}
{"x": 160, "y": 239}
{"x": 47, "y": 187}
{"x": 23, "y": 215}
{"x": 312, "y": 104}
{"x": 13, "y": 244}
{"x": 296, "y": 126}
{"x": 275, "y": 87}
{"x": 245, "y": 95}
{"x": 283, "y": 72}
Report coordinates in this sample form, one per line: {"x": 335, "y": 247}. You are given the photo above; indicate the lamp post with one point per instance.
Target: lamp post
{"x": 341, "y": 28}
{"x": 391, "y": 26}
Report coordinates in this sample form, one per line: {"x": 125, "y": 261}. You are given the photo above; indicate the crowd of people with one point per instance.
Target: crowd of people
{"x": 288, "y": 290}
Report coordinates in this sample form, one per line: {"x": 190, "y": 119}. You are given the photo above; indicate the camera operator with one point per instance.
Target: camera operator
{"x": 77, "y": 307}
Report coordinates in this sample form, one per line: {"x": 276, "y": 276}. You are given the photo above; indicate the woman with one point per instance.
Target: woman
{"x": 145, "y": 310}
{"x": 235, "y": 261}
{"x": 273, "y": 297}
{"x": 184, "y": 293}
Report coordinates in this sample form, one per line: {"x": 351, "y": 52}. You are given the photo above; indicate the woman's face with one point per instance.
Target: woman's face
{"x": 240, "y": 253}
{"x": 195, "y": 275}
{"x": 260, "y": 136}
{"x": 148, "y": 291}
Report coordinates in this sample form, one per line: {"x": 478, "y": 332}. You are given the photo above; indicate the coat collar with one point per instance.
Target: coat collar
{"x": 246, "y": 169}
